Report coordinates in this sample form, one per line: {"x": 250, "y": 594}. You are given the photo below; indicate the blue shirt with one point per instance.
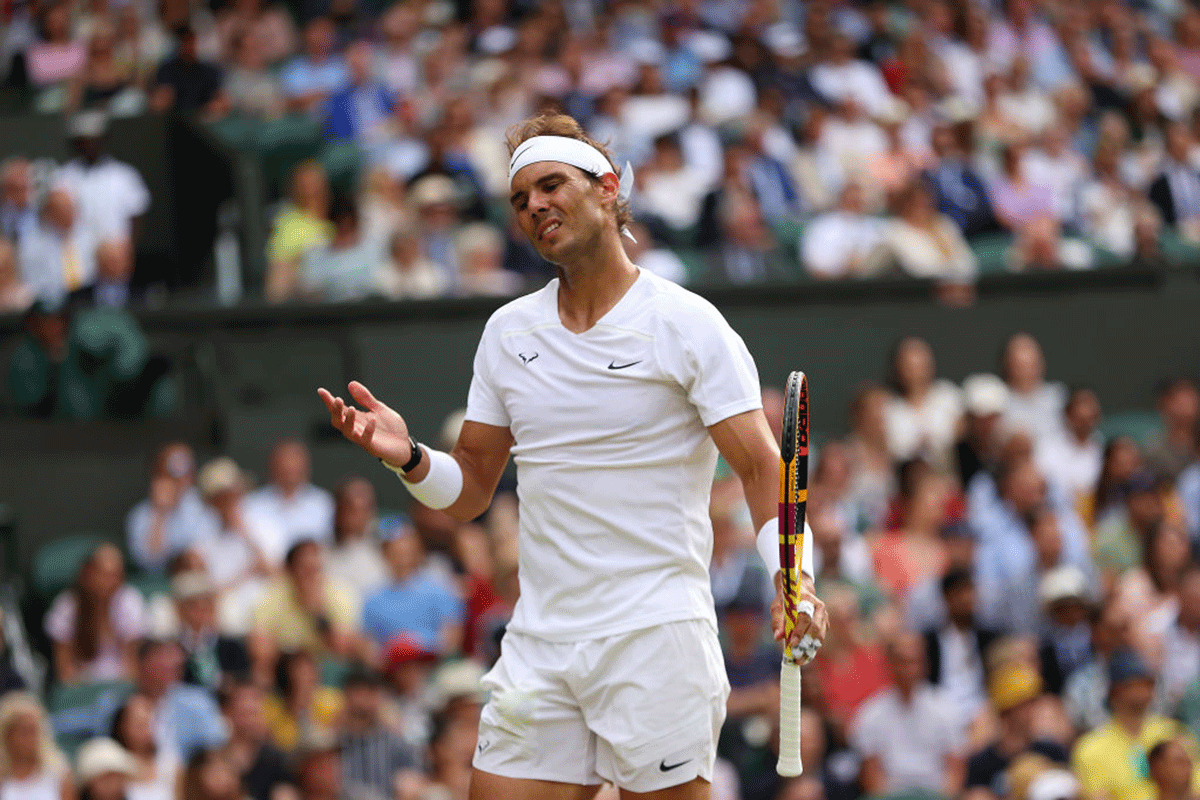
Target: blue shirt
{"x": 301, "y": 76}
{"x": 420, "y": 606}
{"x": 186, "y": 524}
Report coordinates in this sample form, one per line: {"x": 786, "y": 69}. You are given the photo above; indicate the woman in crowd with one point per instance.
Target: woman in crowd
{"x": 95, "y": 625}
{"x": 1034, "y": 403}
{"x": 1149, "y": 594}
{"x": 302, "y": 225}
{"x": 105, "y": 770}
{"x": 157, "y": 769}
{"x": 1121, "y": 461}
{"x": 922, "y": 242}
{"x": 31, "y": 766}
{"x": 210, "y": 776}
{"x": 915, "y": 552}
{"x": 301, "y": 703}
{"x": 922, "y": 415}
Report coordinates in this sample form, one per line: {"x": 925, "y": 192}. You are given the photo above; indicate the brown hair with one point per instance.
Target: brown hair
{"x": 552, "y": 123}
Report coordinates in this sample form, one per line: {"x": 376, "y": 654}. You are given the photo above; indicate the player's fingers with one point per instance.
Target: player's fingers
{"x": 368, "y": 431}
{"x": 350, "y": 420}
{"x": 363, "y": 395}
{"x": 326, "y": 397}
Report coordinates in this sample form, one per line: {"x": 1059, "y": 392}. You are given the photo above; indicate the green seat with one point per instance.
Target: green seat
{"x": 64, "y": 697}
{"x": 1142, "y": 426}
{"x": 56, "y": 563}
{"x": 149, "y": 585}
{"x": 334, "y": 672}
{"x": 990, "y": 250}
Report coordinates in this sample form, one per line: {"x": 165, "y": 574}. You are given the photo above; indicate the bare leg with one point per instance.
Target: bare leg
{"x": 486, "y": 786}
{"x": 697, "y": 789}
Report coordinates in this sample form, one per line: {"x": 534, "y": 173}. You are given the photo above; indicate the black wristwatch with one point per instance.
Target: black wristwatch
{"x": 415, "y": 458}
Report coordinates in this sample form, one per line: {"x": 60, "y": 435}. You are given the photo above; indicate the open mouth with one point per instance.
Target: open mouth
{"x": 549, "y": 228}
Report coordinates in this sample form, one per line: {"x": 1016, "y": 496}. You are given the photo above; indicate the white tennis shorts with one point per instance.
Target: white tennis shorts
{"x": 642, "y": 710}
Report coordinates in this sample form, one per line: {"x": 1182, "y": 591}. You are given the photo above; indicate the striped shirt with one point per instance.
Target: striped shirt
{"x": 374, "y": 759}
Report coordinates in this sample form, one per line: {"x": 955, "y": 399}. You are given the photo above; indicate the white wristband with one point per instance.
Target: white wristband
{"x": 768, "y": 545}
{"x": 442, "y": 485}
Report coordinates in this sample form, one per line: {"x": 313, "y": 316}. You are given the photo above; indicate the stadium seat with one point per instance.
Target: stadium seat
{"x": 78, "y": 700}
{"x": 56, "y": 563}
{"x": 148, "y": 584}
{"x": 1141, "y": 425}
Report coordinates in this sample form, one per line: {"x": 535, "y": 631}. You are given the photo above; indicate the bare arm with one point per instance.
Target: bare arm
{"x": 746, "y": 442}
{"x": 65, "y": 667}
{"x": 873, "y": 781}
{"x": 481, "y": 452}
{"x": 955, "y": 775}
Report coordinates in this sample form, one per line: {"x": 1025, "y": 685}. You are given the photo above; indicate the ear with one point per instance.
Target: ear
{"x": 610, "y": 186}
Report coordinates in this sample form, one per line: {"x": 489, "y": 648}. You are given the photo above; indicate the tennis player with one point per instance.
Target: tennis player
{"x": 614, "y": 390}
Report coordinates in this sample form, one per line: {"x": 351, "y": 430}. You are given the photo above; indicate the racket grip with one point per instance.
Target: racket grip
{"x": 789, "y": 765}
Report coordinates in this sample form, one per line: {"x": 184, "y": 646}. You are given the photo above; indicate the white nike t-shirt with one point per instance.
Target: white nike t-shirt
{"x": 614, "y": 460}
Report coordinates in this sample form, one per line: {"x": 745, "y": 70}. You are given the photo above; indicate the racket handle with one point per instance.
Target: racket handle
{"x": 789, "y": 765}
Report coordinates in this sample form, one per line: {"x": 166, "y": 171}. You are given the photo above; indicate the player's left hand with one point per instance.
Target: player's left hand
{"x": 813, "y": 626}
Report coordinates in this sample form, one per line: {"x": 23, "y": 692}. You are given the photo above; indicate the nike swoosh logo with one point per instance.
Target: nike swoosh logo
{"x": 615, "y": 365}
{"x": 663, "y": 766}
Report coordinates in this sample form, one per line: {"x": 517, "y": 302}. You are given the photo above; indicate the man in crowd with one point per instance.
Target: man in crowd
{"x": 354, "y": 558}
{"x": 173, "y": 517}
{"x": 906, "y": 735}
{"x": 372, "y": 754}
{"x": 1170, "y": 452}
{"x": 111, "y": 194}
{"x": 58, "y": 255}
{"x": 261, "y": 766}
{"x": 303, "y": 510}
{"x": 17, "y": 215}
{"x": 954, "y": 652}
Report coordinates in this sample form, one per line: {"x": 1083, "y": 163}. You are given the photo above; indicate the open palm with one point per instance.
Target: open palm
{"x": 375, "y": 427}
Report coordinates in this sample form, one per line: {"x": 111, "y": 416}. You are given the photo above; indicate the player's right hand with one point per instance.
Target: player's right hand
{"x": 375, "y": 427}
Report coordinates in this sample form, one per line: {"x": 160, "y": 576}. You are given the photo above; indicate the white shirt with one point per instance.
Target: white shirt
{"x": 307, "y": 514}
{"x": 614, "y": 460}
{"x": 358, "y": 564}
{"x": 228, "y": 558}
{"x": 962, "y": 674}
{"x": 837, "y": 242}
{"x": 1180, "y": 662}
{"x": 857, "y": 80}
{"x": 1038, "y": 413}
{"x": 41, "y": 253}
{"x": 46, "y": 785}
{"x": 1073, "y": 466}
{"x": 927, "y": 430}
{"x": 110, "y": 194}
{"x": 911, "y": 741}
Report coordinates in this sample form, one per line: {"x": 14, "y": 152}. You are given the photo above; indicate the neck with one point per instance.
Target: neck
{"x": 906, "y": 693}
{"x": 594, "y": 283}
{"x": 1130, "y": 721}
{"x": 23, "y": 768}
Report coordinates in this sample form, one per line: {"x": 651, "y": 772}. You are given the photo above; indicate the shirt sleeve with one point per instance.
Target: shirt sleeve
{"x": 864, "y": 733}
{"x": 128, "y": 613}
{"x": 60, "y": 619}
{"x": 483, "y": 402}
{"x": 710, "y": 361}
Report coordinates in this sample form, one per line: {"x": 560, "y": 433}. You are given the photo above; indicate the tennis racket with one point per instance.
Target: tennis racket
{"x": 793, "y": 495}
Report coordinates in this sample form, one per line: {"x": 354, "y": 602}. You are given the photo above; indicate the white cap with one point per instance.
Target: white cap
{"x": 1062, "y": 583}
{"x": 1053, "y": 784}
{"x": 101, "y": 756}
{"x": 87, "y": 125}
{"x": 219, "y": 475}
{"x": 784, "y": 40}
{"x": 984, "y": 394}
{"x": 458, "y": 679}
{"x": 191, "y": 584}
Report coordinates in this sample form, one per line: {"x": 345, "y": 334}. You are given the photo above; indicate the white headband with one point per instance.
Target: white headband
{"x": 577, "y": 153}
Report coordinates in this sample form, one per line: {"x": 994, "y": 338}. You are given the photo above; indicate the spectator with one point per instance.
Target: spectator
{"x": 304, "y": 610}
{"x": 156, "y": 771}
{"x": 958, "y": 190}
{"x": 247, "y": 549}
{"x": 1085, "y": 696}
{"x": 250, "y": 87}
{"x": 1066, "y": 634}
{"x": 1176, "y": 190}
{"x": 105, "y": 82}
{"x": 1054, "y": 163}
{"x": 56, "y": 58}
{"x": 1108, "y": 206}
{"x": 922, "y": 242}
{"x": 922, "y": 416}
{"x": 17, "y": 213}
{"x": 1121, "y": 461}
{"x": 310, "y": 78}
{"x": 870, "y": 458}
{"x": 96, "y": 624}
{"x": 406, "y": 274}
{"x": 1179, "y": 653}
{"x": 1035, "y": 405}
{"x": 852, "y": 668}
{"x": 11, "y": 678}
{"x": 407, "y": 666}
{"x": 415, "y": 603}
{"x": 105, "y": 770}
{"x": 185, "y": 82}
{"x": 210, "y": 776}
{"x": 1172, "y": 770}
{"x": 1017, "y": 200}
{"x": 343, "y": 270}
{"x": 31, "y": 765}
{"x": 209, "y": 657}
{"x": 318, "y": 770}
{"x": 173, "y": 517}
{"x": 435, "y": 199}
{"x": 301, "y": 225}
{"x": 303, "y": 510}
{"x": 978, "y": 448}
{"x": 1101, "y": 758}
{"x": 1188, "y": 488}
{"x": 672, "y": 191}
{"x": 1150, "y": 592}
{"x": 451, "y": 746}
{"x": 1071, "y": 459}
{"x": 905, "y": 557}
{"x": 262, "y": 766}
{"x": 111, "y": 194}
{"x": 301, "y": 705}
{"x": 837, "y": 244}
{"x": 479, "y": 252}
{"x": 58, "y": 255}
{"x": 372, "y": 754}
{"x": 955, "y": 651}
{"x": 839, "y": 76}
{"x": 15, "y": 295}
{"x": 1172, "y": 450}
{"x": 362, "y": 108}
{"x": 354, "y": 557}
{"x": 1013, "y": 691}
{"x": 1121, "y": 538}
{"x": 749, "y": 253}
{"x": 905, "y": 735}
{"x": 114, "y": 271}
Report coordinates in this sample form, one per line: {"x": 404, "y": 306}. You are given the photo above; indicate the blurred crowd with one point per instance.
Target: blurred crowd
{"x": 1014, "y": 604}
{"x": 770, "y": 139}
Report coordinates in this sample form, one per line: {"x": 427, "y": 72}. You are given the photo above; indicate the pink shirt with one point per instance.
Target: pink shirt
{"x": 54, "y": 63}
{"x": 127, "y": 618}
